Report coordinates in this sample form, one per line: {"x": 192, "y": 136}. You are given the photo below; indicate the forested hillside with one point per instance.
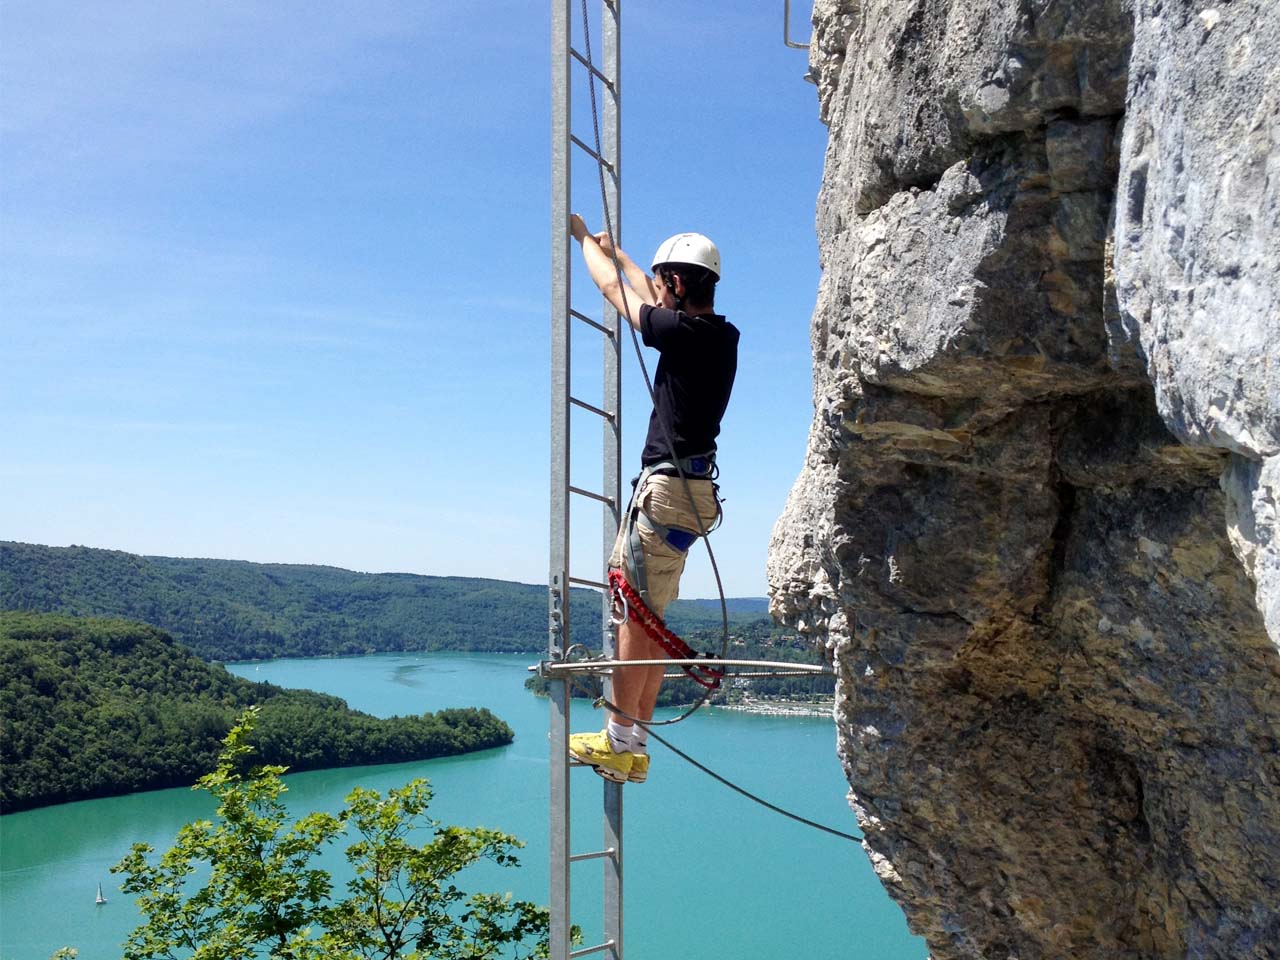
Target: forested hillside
{"x": 234, "y": 610}
{"x": 92, "y": 708}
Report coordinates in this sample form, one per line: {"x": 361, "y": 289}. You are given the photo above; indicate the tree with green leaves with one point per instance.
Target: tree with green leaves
{"x": 246, "y": 884}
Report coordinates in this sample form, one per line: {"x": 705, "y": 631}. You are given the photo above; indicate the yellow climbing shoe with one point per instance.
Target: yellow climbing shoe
{"x": 594, "y": 750}
{"x": 639, "y": 768}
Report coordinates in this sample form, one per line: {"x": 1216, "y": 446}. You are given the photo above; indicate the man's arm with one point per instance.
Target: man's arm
{"x": 626, "y": 299}
{"x": 639, "y": 280}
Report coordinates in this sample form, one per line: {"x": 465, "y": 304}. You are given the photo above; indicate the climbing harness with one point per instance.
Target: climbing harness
{"x": 700, "y": 467}
{"x": 630, "y": 590}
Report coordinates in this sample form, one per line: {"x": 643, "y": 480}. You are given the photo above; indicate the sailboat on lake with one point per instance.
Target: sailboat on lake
{"x": 101, "y": 899}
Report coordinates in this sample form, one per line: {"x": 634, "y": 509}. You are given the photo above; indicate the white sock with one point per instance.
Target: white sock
{"x": 619, "y": 736}
{"x": 639, "y": 738}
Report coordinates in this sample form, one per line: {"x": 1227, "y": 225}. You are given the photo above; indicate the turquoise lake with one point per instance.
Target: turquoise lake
{"x": 707, "y": 872}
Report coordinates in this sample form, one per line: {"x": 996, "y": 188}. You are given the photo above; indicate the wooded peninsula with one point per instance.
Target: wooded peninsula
{"x": 93, "y": 708}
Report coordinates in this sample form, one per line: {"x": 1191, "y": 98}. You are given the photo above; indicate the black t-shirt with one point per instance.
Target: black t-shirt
{"x": 699, "y": 357}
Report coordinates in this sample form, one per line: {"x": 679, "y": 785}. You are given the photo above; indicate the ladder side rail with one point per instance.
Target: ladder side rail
{"x": 611, "y": 468}
{"x": 560, "y": 335}
{"x": 611, "y": 147}
{"x": 559, "y": 902}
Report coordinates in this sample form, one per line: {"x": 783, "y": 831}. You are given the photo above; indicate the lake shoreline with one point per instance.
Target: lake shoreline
{"x": 782, "y": 708}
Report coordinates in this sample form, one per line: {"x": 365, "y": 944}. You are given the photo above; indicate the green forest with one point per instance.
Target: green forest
{"x": 234, "y": 610}
{"x": 93, "y": 707}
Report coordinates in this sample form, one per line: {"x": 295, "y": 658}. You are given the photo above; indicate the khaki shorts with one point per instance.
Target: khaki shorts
{"x": 664, "y": 499}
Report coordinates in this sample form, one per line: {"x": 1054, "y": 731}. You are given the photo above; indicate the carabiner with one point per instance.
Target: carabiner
{"x": 619, "y": 600}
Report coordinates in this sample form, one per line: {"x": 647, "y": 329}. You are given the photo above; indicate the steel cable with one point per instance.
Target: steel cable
{"x": 751, "y": 796}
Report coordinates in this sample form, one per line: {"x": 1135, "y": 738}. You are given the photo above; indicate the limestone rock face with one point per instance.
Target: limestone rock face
{"x": 1036, "y": 525}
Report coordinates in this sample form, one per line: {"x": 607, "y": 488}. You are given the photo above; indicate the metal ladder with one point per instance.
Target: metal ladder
{"x": 565, "y": 320}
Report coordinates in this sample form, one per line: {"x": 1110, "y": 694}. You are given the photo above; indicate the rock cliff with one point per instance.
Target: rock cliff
{"x": 1036, "y": 525}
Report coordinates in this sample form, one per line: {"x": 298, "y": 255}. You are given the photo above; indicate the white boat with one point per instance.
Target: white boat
{"x": 101, "y": 899}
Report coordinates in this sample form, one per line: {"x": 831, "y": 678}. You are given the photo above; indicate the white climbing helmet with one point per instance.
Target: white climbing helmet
{"x": 688, "y": 248}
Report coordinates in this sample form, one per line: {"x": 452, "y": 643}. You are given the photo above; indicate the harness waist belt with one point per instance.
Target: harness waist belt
{"x": 672, "y": 472}
{"x": 696, "y": 467}
{"x": 700, "y": 467}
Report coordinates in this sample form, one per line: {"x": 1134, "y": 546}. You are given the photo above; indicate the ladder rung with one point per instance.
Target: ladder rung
{"x": 598, "y": 855}
{"x": 598, "y": 948}
{"x": 595, "y": 156}
{"x": 594, "y": 409}
{"x": 590, "y": 66}
{"x": 585, "y": 319}
{"x": 579, "y": 581}
{"x": 591, "y": 494}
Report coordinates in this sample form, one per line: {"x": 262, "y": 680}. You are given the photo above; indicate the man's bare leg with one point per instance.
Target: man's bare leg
{"x": 635, "y": 689}
{"x": 652, "y": 686}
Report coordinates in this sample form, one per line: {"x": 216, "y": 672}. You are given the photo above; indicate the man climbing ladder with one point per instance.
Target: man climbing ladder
{"x": 675, "y": 499}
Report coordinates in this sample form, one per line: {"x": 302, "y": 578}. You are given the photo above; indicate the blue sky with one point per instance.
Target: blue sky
{"x": 274, "y": 277}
